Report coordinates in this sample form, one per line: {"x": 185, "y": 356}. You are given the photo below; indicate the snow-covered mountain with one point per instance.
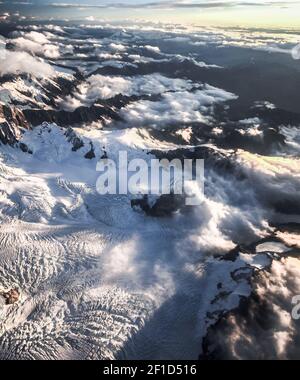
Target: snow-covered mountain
{"x": 106, "y": 277}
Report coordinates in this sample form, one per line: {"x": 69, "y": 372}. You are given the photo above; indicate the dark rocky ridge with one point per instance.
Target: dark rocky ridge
{"x": 99, "y": 111}
{"x": 12, "y": 123}
{"x": 65, "y": 118}
{"x": 166, "y": 205}
{"x": 74, "y": 140}
{"x": 11, "y": 297}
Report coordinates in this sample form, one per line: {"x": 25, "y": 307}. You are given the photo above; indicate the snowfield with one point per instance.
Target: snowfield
{"x": 99, "y": 280}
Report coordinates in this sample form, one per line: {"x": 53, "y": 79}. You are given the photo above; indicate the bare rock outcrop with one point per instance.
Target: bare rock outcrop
{"x": 12, "y": 121}
{"x": 11, "y": 297}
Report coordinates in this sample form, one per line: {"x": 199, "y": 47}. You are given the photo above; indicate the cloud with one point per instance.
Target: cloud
{"x": 175, "y": 107}
{"x": 154, "y": 49}
{"x": 276, "y": 180}
{"x": 48, "y": 50}
{"x": 105, "y": 87}
{"x": 23, "y": 63}
{"x": 117, "y": 47}
{"x": 36, "y": 43}
{"x": 90, "y": 18}
{"x": 36, "y": 37}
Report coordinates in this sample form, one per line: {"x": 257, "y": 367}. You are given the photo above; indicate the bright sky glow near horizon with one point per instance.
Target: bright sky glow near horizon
{"x": 257, "y": 13}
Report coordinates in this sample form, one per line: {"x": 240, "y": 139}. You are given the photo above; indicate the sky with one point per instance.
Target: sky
{"x": 250, "y": 13}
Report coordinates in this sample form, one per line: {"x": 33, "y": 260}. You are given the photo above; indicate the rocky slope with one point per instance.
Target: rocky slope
{"x": 12, "y": 123}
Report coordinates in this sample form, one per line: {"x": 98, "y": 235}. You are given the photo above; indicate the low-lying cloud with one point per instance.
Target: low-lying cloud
{"x": 23, "y": 63}
{"x": 175, "y": 107}
{"x": 36, "y": 43}
{"x": 105, "y": 87}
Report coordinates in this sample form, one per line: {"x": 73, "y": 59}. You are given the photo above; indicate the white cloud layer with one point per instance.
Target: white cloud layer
{"x": 175, "y": 107}
{"x": 23, "y": 63}
{"x": 36, "y": 43}
{"x": 105, "y": 87}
